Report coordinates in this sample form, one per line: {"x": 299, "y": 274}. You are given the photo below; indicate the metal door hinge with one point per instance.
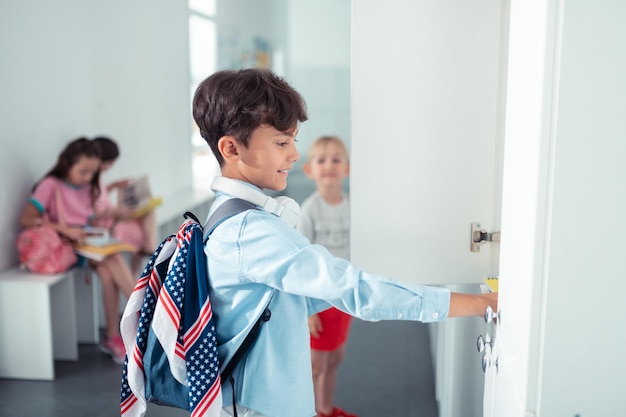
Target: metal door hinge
{"x": 480, "y": 236}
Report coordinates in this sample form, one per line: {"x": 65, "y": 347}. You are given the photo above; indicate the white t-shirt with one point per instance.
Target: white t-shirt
{"x": 326, "y": 224}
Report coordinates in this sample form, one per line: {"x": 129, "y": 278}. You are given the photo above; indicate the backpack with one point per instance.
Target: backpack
{"x": 168, "y": 324}
{"x": 42, "y": 250}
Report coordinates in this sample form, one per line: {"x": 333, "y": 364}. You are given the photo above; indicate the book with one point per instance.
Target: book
{"x": 99, "y": 244}
{"x": 492, "y": 284}
{"x": 99, "y": 252}
{"x": 150, "y": 205}
{"x": 138, "y": 197}
{"x": 96, "y": 235}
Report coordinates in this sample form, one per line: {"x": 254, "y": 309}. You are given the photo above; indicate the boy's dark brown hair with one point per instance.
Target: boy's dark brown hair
{"x": 234, "y": 103}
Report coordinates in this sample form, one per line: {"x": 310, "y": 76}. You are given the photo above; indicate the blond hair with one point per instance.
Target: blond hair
{"x": 323, "y": 141}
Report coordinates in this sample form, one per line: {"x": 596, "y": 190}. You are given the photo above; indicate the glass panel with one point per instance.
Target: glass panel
{"x": 206, "y": 7}
{"x": 202, "y": 48}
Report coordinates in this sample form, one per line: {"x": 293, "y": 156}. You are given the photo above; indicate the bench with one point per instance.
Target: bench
{"x": 43, "y": 317}
{"x": 37, "y": 322}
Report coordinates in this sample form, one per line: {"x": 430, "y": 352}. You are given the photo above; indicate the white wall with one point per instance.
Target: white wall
{"x": 121, "y": 68}
{"x": 318, "y": 66}
{"x": 74, "y": 68}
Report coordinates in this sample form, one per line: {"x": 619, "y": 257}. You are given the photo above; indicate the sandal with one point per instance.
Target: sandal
{"x": 337, "y": 412}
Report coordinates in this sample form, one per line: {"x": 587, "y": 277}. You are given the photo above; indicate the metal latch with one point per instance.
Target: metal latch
{"x": 480, "y": 236}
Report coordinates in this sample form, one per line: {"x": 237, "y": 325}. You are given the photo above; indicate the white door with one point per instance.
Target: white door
{"x": 426, "y": 160}
{"x": 529, "y": 136}
{"x": 425, "y": 149}
{"x": 559, "y": 345}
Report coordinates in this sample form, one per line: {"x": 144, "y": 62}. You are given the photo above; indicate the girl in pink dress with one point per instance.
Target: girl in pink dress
{"x": 139, "y": 232}
{"x": 74, "y": 182}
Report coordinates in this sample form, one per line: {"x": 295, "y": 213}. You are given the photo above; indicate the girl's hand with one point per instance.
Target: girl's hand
{"x": 120, "y": 184}
{"x": 121, "y": 213}
{"x": 75, "y": 234}
{"x": 315, "y": 326}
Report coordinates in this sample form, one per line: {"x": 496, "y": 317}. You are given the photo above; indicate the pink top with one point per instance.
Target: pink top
{"x": 103, "y": 202}
{"x": 76, "y": 201}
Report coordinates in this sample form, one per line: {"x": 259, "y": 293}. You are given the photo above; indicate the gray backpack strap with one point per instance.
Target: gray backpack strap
{"x": 228, "y": 209}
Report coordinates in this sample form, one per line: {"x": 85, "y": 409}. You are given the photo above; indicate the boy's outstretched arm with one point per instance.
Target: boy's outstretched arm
{"x": 472, "y": 304}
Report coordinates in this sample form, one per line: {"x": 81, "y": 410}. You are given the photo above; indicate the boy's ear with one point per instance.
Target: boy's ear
{"x": 229, "y": 148}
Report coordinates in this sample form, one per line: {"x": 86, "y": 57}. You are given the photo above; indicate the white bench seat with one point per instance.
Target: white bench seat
{"x": 37, "y": 323}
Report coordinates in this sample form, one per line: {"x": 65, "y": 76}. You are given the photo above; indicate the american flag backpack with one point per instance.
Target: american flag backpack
{"x": 168, "y": 325}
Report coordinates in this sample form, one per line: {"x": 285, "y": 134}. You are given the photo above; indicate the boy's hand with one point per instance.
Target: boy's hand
{"x": 462, "y": 305}
{"x": 315, "y": 326}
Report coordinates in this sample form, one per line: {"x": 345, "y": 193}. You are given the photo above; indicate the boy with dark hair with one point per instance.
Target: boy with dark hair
{"x": 250, "y": 120}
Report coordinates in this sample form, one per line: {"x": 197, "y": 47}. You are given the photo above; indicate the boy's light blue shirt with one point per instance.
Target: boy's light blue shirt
{"x": 254, "y": 257}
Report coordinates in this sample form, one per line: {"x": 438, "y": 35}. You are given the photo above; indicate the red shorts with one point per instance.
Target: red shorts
{"x": 336, "y": 325}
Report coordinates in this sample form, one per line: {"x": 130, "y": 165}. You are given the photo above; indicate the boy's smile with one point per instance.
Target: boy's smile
{"x": 265, "y": 162}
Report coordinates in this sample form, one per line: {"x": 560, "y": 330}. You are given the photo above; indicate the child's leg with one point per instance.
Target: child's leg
{"x": 324, "y": 366}
{"x": 137, "y": 263}
{"x": 148, "y": 226}
{"x": 148, "y": 244}
{"x": 110, "y": 299}
{"x": 115, "y": 277}
{"x": 320, "y": 363}
{"x": 120, "y": 273}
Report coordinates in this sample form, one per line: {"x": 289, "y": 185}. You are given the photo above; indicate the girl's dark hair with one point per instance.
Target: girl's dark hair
{"x": 108, "y": 148}
{"x": 70, "y": 155}
{"x": 235, "y": 103}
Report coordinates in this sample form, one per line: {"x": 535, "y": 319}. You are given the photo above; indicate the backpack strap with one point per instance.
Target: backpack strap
{"x": 246, "y": 344}
{"x": 228, "y": 209}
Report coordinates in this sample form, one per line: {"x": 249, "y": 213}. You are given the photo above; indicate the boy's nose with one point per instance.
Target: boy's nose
{"x": 296, "y": 154}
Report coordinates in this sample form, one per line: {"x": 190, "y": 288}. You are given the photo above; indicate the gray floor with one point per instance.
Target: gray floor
{"x": 387, "y": 372}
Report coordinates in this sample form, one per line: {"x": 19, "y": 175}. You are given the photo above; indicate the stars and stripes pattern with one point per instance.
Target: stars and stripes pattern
{"x": 170, "y": 300}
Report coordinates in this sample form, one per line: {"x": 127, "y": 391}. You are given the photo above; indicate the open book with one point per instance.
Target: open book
{"x": 138, "y": 197}
{"x": 99, "y": 244}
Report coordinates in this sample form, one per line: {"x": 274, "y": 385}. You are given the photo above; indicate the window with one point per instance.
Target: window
{"x": 203, "y": 62}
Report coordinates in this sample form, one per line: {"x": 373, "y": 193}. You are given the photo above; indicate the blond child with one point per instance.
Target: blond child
{"x": 325, "y": 220}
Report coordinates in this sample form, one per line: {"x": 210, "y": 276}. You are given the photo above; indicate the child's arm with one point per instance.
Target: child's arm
{"x": 112, "y": 213}
{"x": 31, "y": 217}
{"x": 315, "y": 325}
{"x": 120, "y": 184}
{"x": 472, "y": 304}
